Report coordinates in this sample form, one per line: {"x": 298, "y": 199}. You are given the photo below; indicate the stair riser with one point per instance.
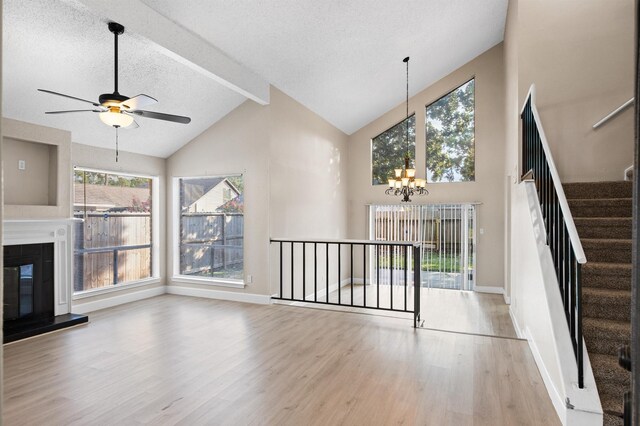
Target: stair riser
{"x": 601, "y": 211}
{"x": 593, "y": 231}
{"x": 614, "y": 282}
{"x": 603, "y": 253}
{"x": 598, "y": 190}
{"x": 611, "y": 388}
{"x": 612, "y": 311}
{"x": 609, "y": 420}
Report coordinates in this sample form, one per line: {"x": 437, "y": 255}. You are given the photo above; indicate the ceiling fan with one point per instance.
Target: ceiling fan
{"x": 117, "y": 110}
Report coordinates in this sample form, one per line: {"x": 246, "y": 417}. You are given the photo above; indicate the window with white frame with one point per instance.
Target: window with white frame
{"x": 211, "y": 227}
{"x": 114, "y": 242}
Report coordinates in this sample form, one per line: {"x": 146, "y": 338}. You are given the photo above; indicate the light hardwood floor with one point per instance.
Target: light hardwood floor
{"x": 178, "y": 360}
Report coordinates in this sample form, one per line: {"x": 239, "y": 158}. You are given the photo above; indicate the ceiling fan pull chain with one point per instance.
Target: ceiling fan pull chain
{"x": 116, "y": 143}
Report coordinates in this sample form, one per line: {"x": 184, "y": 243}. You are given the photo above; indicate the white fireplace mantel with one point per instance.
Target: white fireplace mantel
{"x": 56, "y": 231}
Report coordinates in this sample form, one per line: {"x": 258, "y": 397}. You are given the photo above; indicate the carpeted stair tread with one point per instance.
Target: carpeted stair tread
{"x": 605, "y": 336}
{"x": 607, "y": 275}
{"x": 606, "y": 303}
{"x": 606, "y": 369}
{"x": 612, "y": 403}
{"x": 612, "y": 250}
{"x": 598, "y": 207}
{"x": 603, "y": 227}
{"x": 608, "y": 329}
{"x": 581, "y": 190}
{"x": 611, "y": 420}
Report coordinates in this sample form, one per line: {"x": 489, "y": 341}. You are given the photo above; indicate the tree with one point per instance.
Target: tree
{"x": 450, "y": 136}
{"x": 389, "y": 149}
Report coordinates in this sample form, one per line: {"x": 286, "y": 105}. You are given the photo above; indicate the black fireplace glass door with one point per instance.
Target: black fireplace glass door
{"x": 18, "y": 291}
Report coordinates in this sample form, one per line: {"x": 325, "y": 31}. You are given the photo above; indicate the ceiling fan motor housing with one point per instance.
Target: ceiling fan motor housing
{"x": 115, "y": 98}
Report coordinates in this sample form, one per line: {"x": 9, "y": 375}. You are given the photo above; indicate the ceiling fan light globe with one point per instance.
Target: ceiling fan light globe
{"x": 115, "y": 119}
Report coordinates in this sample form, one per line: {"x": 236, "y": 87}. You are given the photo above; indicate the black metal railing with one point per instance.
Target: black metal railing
{"x": 376, "y": 275}
{"x": 561, "y": 233}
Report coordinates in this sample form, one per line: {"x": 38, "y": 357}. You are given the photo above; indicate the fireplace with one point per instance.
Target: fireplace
{"x": 28, "y": 283}
{"x": 37, "y": 278}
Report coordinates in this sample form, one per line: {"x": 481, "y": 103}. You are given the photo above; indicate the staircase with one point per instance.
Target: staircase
{"x": 602, "y": 214}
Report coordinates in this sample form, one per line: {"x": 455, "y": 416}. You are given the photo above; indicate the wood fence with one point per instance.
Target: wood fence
{"x": 108, "y": 249}
{"x": 212, "y": 244}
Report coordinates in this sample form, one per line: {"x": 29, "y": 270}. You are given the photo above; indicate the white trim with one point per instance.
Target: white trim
{"x": 208, "y": 293}
{"x": 185, "y": 279}
{"x": 507, "y": 299}
{"x": 488, "y": 289}
{"x": 83, "y": 308}
{"x": 628, "y": 171}
{"x": 556, "y": 399}
{"x": 516, "y": 326}
{"x": 112, "y": 172}
{"x": 115, "y": 288}
{"x": 562, "y": 199}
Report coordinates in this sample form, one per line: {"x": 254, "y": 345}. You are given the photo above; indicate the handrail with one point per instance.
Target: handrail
{"x": 614, "y": 113}
{"x": 344, "y": 241}
{"x": 562, "y": 238}
{"x": 555, "y": 177}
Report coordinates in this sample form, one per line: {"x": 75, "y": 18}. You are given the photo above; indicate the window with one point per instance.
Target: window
{"x": 212, "y": 227}
{"x": 450, "y": 136}
{"x": 113, "y": 244}
{"x": 388, "y": 150}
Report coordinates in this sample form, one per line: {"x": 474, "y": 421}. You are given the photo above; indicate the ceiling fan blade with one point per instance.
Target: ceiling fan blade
{"x": 73, "y": 110}
{"x": 68, "y": 96}
{"x": 138, "y": 101}
{"x": 133, "y": 125}
{"x": 162, "y": 116}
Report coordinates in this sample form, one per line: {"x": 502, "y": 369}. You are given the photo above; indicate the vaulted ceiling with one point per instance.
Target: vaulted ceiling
{"x": 341, "y": 59}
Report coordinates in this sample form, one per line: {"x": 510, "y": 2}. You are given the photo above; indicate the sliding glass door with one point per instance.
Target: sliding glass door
{"x": 446, "y": 233}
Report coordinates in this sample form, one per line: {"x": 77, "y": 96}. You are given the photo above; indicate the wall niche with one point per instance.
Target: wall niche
{"x": 36, "y": 164}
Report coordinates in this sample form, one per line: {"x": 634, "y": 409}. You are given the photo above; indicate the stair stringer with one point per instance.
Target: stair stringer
{"x": 539, "y": 315}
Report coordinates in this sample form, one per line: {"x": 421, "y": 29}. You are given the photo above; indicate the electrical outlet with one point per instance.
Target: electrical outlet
{"x": 249, "y": 279}
{"x": 481, "y": 231}
{"x": 22, "y": 165}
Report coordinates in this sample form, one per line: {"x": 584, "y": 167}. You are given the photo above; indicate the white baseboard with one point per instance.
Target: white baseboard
{"x": 115, "y": 300}
{"x": 207, "y": 293}
{"x": 516, "y": 326}
{"x": 488, "y": 289}
{"x": 557, "y": 400}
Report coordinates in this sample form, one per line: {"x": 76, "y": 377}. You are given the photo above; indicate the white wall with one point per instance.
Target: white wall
{"x": 488, "y": 187}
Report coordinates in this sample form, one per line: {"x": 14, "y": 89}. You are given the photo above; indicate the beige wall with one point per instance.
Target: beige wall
{"x": 489, "y": 141}
{"x": 580, "y": 55}
{"x": 293, "y": 167}
{"x": 42, "y": 190}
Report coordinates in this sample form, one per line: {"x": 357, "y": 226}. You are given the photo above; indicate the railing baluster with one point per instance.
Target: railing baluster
{"x": 364, "y": 275}
{"x": 377, "y": 276}
{"x": 406, "y": 264}
{"x": 579, "y": 354}
{"x": 339, "y": 277}
{"x": 281, "y": 272}
{"x": 315, "y": 272}
{"x": 391, "y": 249}
{"x": 351, "y": 265}
{"x": 326, "y": 295}
{"x": 292, "y": 262}
{"x": 304, "y": 272}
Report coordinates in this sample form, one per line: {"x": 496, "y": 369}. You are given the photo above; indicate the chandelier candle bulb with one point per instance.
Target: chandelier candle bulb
{"x": 411, "y": 173}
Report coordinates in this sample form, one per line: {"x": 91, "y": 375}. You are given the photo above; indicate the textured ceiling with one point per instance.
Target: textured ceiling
{"x": 343, "y": 58}
{"x": 54, "y": 45}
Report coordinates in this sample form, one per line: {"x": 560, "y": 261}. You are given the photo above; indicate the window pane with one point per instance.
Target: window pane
{"x": 450, "y": 136}
{"x": 212, "y": 227}
{"x": 388, "y": 150}
{"x": 115, "y": 236}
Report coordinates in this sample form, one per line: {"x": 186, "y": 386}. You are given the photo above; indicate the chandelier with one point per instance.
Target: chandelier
{"x": 404, "y": 183}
